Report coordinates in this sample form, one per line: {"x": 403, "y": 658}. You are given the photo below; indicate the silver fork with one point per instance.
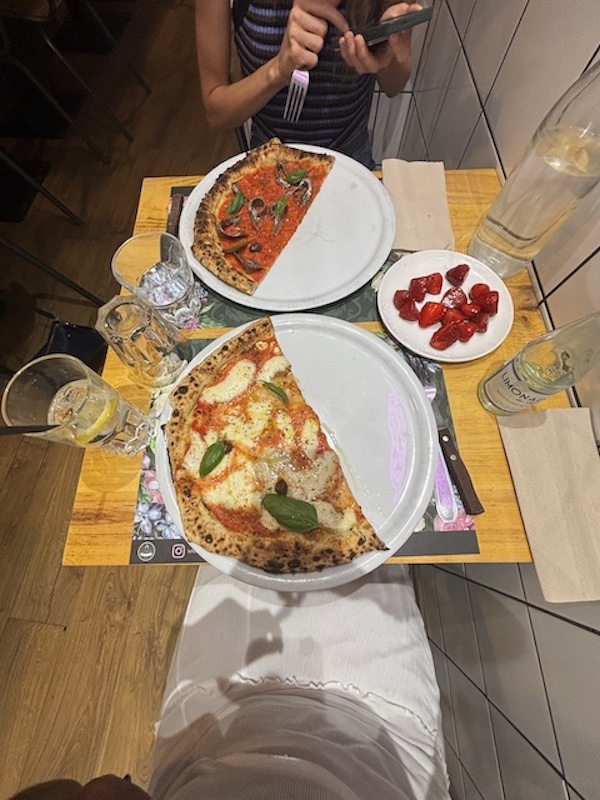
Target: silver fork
{"x": 296, "y": 95}
{"x": 445, "y": 500}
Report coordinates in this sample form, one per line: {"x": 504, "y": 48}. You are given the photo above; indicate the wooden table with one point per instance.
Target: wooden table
{"x": 101, "y": 523}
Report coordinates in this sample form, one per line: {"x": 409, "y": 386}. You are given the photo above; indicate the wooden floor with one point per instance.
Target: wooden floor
{"x": 84, "y": 652}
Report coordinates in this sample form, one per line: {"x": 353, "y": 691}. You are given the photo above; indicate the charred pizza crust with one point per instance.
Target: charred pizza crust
{"x": 207, "y": 246}
{"x": 281, "y": 550}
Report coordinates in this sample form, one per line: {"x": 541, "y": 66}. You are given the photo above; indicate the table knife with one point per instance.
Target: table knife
{"x": 457, "y": 469}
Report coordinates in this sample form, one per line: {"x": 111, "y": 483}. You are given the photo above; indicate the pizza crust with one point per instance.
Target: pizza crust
{"x": 280, "y": 551}
{"x": 207, "y": 246}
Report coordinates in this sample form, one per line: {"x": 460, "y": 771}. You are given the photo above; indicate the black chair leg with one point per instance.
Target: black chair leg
{"x": 87, "y": 88}
{"x": 51, "y": 271}
{"x": 53, "y": 102}
{"x": 101, "y": 24}
{"x": 14, "y": 165}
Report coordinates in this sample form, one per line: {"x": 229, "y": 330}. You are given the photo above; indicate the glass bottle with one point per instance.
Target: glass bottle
{"x": 547, "y": 365}
{"x": 560, "y": 166}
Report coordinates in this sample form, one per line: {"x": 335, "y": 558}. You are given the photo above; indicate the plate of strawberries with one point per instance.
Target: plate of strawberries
{"x": 445, "y": 305}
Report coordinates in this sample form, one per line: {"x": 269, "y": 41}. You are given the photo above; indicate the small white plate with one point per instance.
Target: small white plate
{"x": 416, "y": 338}
{"x": 343, "y": 241}
{"x": 377, "y": 418}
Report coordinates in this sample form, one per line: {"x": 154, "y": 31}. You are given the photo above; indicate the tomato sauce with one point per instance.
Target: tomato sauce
{"x": 261, "y": 183}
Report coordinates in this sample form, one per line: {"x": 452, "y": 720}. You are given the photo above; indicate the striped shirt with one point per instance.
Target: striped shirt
{"x": 336, "y": 108}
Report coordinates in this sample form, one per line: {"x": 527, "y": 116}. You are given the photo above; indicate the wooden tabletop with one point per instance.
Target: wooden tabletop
{"x": 101, "y": 523}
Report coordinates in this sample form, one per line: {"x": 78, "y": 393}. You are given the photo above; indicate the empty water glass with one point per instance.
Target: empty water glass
{"x": 61, "y": 390}
{"x": 143, "y": 340}
{"x": 153, "y": 266}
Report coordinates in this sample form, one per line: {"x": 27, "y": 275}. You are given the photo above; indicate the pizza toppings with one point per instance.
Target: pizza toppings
{"x": 247, "y": 218}
{"x": 213, "y": 456}
{"x": 254, "y": 473}
{"x": 295, "y": 515}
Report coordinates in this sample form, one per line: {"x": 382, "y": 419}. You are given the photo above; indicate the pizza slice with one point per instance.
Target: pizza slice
{"x": 254, "y": 474}
{"x": 253, "y": 209}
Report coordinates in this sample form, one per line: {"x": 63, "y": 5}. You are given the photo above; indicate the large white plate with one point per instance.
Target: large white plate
{"x": 344, "y": 239}
{"x": 417, "y": 339}
{"x": 377, "y": 418}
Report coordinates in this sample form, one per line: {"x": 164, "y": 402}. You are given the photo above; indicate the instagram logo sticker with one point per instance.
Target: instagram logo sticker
{"x": 178, "y": 550}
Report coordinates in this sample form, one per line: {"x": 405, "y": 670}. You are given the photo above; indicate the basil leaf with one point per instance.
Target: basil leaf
{"x": 277, "y": 390}
{"x": 213, "y": 456}
{"x": 237, "y": 202}
{"x": 295, "y": 515}
{"x": 279, "y": 206}
{"x": 235, "y": 247}
{"x": 296, "y": 175}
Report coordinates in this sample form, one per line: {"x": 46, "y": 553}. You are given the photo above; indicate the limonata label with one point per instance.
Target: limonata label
{"x": 508, "y": 392}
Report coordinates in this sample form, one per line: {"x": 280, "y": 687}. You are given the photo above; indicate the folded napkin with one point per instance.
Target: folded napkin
{"x": 555, "y": 467}
{"x": 418, "y": 192}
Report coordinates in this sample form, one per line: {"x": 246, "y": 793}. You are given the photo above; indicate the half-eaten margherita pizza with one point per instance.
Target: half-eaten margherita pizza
{"x": 254, "y": 474}
{"x": 253, "y": 209}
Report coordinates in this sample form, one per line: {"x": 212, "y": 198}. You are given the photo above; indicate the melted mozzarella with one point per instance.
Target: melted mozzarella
{"x": 245, "y": 429}
{"x": 271, "y": 367}
{"x": 236, "y": 491}
{"x": 193, "y": 457}
{"x": 328, "y": 516}
{"x": 310, "y": 437}
{"x": 238, "y": 379}
{"x": 284, "y": 424}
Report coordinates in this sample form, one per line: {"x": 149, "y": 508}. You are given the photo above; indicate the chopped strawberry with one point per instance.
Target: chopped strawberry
{"x": 466, "y": 329}
{"x": 452, "y": 315}
{"x": 470, "y": 309}
{"x": 400, "y": 297}
{"x": 418, "y": 288}
{"x": 489, "y": 302}
{"x": 481, "y": 321}
{"x": 444, "y": 336}
{"x": 478, "y": 289}
{"x": 454, "y": 298}
{"x": 434, "y": 283}
{"x": 457, "y": 275}
{"x": 431, "y": 313}
{"x": 409, "y": 310}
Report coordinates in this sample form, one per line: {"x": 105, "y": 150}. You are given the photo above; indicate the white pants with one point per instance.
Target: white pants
{"x": 332, "y": 689}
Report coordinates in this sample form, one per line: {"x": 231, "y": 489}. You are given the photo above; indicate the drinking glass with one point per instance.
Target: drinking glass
{"x": 61, "y": 390}
{"x": 153, "y": 267}
{"x": 143, "y": 340}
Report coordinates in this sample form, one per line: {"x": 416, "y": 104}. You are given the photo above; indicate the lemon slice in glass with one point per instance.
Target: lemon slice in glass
{"x": 86, "y": 435}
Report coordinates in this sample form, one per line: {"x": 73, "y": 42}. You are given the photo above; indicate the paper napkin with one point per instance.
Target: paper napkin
{"x": 418, "y": 192}
{"x": 555, "y": 467}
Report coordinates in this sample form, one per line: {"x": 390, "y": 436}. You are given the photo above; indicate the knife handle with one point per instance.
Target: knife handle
{"x": 459, "y": 473}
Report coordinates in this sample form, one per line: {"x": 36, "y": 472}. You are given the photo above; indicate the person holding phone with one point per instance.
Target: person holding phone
{"x": 275, "y": 37}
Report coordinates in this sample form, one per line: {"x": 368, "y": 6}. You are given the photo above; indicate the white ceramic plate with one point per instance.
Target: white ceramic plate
{"x": 417, "y": 339}
{"x": 377, "y": 418}
{"x": 344, "y": 239}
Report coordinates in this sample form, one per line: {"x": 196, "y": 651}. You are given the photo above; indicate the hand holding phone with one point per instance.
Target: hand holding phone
{"x": 381, "y": 32}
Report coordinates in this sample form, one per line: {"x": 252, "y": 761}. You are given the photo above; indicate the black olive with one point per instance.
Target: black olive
{"x": 255, "y": 247}
{"x": 281, "y": 486}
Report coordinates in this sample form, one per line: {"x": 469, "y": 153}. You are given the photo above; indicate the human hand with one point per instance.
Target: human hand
{"x": 356, "y": 54}
{"x": 305, "y": 34}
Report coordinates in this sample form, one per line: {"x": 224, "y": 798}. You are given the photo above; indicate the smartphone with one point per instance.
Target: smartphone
{"x": 376, "y": 34}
